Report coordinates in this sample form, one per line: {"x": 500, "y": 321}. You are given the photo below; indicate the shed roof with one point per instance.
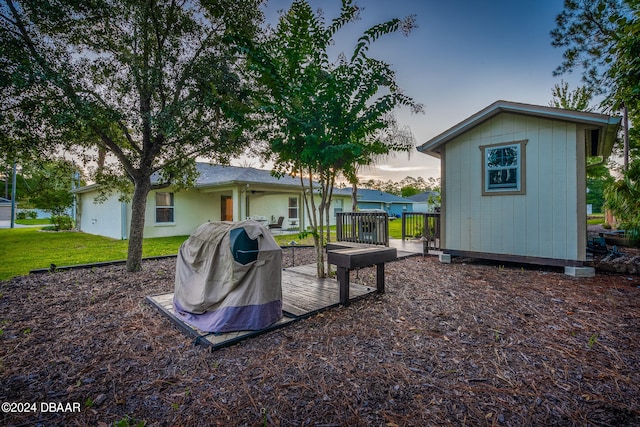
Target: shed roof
{"x": 607, "y": 125}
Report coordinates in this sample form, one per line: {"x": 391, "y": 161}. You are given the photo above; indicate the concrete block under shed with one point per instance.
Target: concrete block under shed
{"x": 580, "y": 271}
{"x": 445, "y": 258}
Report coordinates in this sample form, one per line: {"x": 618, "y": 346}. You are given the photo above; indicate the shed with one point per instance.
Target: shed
{"x": 514, "y": 182}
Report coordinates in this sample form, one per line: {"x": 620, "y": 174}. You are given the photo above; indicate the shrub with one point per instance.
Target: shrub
{"x": 62, "y": 222}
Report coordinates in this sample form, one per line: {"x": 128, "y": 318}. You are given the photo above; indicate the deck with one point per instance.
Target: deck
{"x": 303, "y": 295}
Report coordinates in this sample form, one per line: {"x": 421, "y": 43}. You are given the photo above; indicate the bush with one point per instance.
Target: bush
{"x": 62, "y": 222}
{"x": 27, "y": 214}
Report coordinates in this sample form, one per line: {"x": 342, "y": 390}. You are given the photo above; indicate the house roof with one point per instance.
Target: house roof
{"x": 366, "y": 195}
{"x": 215, "y": 175}
{"x": 607, "y": 125}
{"x": 210, "y": 175}
{"x": 423, "y": 197}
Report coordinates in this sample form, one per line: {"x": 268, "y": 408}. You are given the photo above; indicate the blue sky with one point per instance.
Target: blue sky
{"x": 463, "y": 56}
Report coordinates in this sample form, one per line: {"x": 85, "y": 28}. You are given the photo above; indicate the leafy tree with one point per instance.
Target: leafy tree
{"x": 623, "y": 198}
{"x": 153, "y": 84}
{"x": 601, "y": 37}
{"x": 49, "y": 186}
{"x": 395, "y": 138}
{"x": 598, "y": 178}
{"x": 577, "y": 99}
{"x": 327, "y": 118}
{"x": 588, "y": 31}
{"x": 409, "y": 190}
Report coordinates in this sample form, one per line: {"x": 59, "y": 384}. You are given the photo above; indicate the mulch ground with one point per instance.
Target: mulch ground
{"x": 466, "y": 343}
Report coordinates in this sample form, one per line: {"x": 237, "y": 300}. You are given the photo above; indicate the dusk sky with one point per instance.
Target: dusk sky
{"x": 464, "y": 55}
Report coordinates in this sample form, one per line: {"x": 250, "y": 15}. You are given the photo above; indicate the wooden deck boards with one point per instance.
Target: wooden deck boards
{"x": 302, "y": 295}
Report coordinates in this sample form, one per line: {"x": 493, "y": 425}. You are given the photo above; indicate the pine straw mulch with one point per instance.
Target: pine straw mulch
{"x": 465, "y": 343}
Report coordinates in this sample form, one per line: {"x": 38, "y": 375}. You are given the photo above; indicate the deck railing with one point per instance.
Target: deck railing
{"x": 363, "y": 227}
{"x": 416, "y": 225}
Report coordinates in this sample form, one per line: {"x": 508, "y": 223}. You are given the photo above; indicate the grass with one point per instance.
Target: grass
{"x": 595, "y": 219}
{"x": 25, "y": 249}
{"x": 37, "y": 221}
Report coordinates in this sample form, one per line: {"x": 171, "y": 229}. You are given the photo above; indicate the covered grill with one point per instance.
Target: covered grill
{"x": 228, "y": 278}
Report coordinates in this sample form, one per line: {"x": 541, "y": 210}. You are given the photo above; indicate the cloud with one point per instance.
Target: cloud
{"x": 392, "y": 168}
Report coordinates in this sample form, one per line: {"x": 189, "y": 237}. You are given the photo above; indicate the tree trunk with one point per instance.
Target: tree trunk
{"x": 625, "y": 156}
{"x": 317, "y": 238}
{"x": 354, "y": 197}
{"x": 136, "y": 232}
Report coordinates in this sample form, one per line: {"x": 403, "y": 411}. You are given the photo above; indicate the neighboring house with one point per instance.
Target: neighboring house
{"x": 390, "y": 203}
{"x": 220, "y": 193}
{"x": 5, "y": 209}
{"x": 514, "y": 182}
{"x": 425, "y": 201}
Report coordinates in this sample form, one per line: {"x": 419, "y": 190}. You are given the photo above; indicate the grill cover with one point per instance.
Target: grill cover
{"x": 228, "y": 278}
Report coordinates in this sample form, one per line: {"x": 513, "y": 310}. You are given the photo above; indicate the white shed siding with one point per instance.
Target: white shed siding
{"x": 540, "y": 223}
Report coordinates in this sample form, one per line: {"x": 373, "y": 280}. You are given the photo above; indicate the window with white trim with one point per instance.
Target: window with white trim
{"x": 293, "y": 207}
{"x": 503, "y": 168}
{"x": 164, "y": 208}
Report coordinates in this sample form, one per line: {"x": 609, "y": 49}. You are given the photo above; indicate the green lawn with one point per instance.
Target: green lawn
{"x": 37, "y": 221}
{"x": 595, "y": 219}
{"x": 25, "y": 249}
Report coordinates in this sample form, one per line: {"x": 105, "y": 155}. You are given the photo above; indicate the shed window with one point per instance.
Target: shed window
{"x": 164, "y": 208}
{"x": 503, "y": 168}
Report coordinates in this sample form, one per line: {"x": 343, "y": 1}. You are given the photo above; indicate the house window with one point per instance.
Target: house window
{"x": 503, "y": 168}
{"x": 164, "y": 207}
{"x": 293, "y": 207}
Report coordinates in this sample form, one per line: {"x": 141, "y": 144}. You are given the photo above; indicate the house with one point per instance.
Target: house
{"x": 425, "y": 201}
{"x": 390, "y": 203}
{"x": 220, "y": 193}
{"x": 514, "y": 182}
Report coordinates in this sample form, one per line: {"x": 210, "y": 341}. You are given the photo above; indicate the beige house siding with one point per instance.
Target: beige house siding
{"x": 543, "y": 222}
{"x": 192, "y": 207}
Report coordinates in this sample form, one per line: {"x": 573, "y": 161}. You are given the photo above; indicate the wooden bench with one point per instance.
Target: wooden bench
{"x": 348, "y": 259}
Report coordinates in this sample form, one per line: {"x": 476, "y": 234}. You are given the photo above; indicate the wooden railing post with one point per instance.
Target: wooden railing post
{"x": 422, "y": 224}
{"x": 363, "y": 227}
